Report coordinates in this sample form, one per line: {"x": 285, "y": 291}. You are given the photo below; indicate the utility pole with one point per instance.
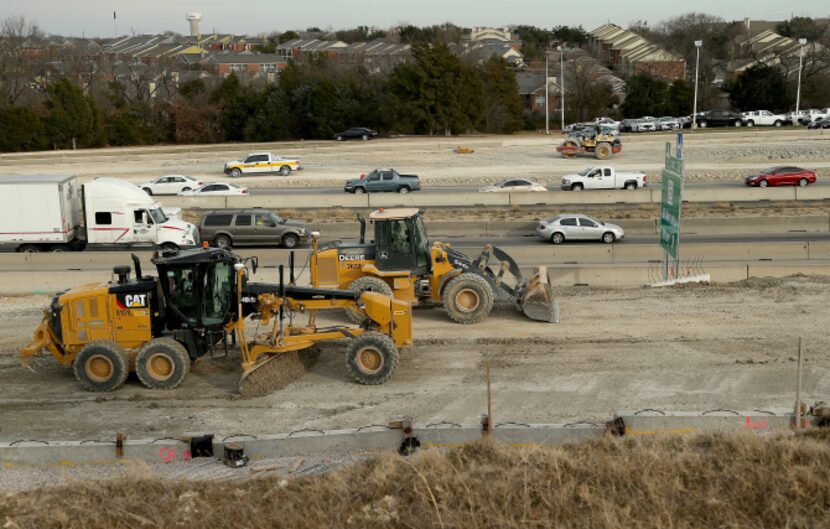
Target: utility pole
{"x": 698, "y": 44}
{"x": 562, "y": 87}
{"x": 801, "y": 43}
{"x": 547, "y": 96}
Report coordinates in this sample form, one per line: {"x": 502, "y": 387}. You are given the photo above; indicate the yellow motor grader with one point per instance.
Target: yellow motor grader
{"x": 400, "y": 262}
{"x": 156, "y": 326}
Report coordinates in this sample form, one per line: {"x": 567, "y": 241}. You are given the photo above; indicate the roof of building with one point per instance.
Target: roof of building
{"x": 631, "y": 47}
{"x": 245, "y": 58}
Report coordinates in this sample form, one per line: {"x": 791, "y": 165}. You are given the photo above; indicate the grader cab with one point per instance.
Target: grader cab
{"x": 399, "y": 261}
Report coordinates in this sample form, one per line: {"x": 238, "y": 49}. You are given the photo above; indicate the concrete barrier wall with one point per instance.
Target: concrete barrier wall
{"x": 390, "y": 200}
{"x": 812, "y": 193}
{"x": 735, "y": 225}
{"x": 728, "y": 195}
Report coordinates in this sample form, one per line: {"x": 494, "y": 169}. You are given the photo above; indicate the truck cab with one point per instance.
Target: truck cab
{"x": 118, "y": 212}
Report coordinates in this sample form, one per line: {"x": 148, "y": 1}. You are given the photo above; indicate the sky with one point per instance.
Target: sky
{"x": 94, "y": 18}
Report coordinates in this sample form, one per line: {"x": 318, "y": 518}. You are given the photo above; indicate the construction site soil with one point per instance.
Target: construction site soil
{"x": 693, "y": 348}
{"x": 718, "y": 155}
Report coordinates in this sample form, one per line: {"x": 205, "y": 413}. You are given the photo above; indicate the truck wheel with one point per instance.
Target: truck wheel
{"x": 186, "y": 189}
{"x": 290, "y": 240}
{"x": 169, "y": 247}
{"x": 603, "y": 151}
{"x": 608, "y": 237}
{"x": 468, "y": 298}
{"x": 365, "y": 137}
{"x": 28, "y": 248}
{"x": 360, "y": 190}
{"x": 577, "y": 187}
{"x": 750, "y": 123}
{"x": 703, "y": 124}
{"x": 222, "y": 241}
{"x": 372, "y": 358}
{"x": 148, "y": 190}
{"x": 338, "y": 138}
{"x": 631, "y": 185}
{"x": 737, "y": 123}
{"x": 236, "y": 172}
{"x": 403, "y": 190}
{"x": 284, "y": 170}
{"x": 366, "y": 284}
{"x": 162, "y": 363}
{"x": 101, "y": 366}
{"x": 778, "y": 123}
{"x": 557, "y": 238}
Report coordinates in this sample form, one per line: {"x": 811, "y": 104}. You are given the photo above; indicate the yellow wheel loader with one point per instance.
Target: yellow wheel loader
{"x": 400, "y": 262}
{"x": 158, "y": 326}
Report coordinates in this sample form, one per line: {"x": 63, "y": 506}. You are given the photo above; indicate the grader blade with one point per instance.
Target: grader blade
{"x": 537, "y": 301}
{"x": 275, "y": 372}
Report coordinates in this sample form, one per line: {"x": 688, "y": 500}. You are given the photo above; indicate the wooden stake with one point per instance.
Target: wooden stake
{"x": 798, "y": 384}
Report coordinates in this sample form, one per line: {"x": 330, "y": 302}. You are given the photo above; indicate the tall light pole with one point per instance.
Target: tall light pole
{"x": 698, "y": 44}
{"x": 801, "y": 42}
{"x": 547, "y": 97}
{"x": 561, "y": 87}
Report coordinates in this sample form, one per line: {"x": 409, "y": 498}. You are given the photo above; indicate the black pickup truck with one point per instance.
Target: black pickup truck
{"x": 380, "y": 180}
{"x": 719, "y": 118}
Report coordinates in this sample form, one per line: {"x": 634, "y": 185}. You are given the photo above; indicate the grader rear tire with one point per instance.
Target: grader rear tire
{"x": 364, "y": 284}
{"x": 603, "y": 151}
{"x": 162, "y": 363}
{"x": 371, "y": 358}
{"x": 468, "y": 298}
{"x": 101, "y": 366}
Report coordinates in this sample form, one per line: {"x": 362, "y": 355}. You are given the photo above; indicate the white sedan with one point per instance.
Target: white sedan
{"x": 513, "y": 185}
{"x": 220, "y": 189}
{"x": 172, "y": 184}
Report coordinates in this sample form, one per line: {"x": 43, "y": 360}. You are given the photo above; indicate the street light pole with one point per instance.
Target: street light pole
{"x": 547, "y": 96}
{"x": 562, "y": 86}
{"x": 698, "y": 44}
{"x": 801, "y": 43}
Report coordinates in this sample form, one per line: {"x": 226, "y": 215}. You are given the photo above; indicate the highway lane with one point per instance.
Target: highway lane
{"x": 474, "y": 189}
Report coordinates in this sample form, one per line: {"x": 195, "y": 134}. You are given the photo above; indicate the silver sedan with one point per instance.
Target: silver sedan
{"x": 577, "y": 227}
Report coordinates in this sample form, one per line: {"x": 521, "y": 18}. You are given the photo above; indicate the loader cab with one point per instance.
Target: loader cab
{"x": 198, "y": 286}
{"x": 401, "y": 241}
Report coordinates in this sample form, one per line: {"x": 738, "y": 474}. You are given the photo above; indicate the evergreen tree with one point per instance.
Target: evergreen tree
{"x": 502, "y": 103}
{"x": 645, "y": 96}
{"x": 760, "y": 87}
{"x": 73, "y": 119}
{"x": 21, "y": 129}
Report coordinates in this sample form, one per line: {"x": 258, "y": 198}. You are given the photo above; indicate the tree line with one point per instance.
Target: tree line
{"x": 435, "y": 93}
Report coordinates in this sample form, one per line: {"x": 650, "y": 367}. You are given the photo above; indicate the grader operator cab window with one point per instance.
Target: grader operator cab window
{"x": 201, "y": 294}
{"x": 182, "y": 295}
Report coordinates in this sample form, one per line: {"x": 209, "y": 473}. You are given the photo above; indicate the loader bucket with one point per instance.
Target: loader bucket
{"x": 537, "y": 301}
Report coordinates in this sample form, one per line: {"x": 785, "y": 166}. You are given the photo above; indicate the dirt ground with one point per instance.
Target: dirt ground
{"x": 696, "y": 348}
{"x": 726, "y": 154}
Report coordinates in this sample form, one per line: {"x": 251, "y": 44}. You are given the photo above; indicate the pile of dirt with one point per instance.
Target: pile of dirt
{"x": 690, "y": 482}
{"x": 276, "y": 372}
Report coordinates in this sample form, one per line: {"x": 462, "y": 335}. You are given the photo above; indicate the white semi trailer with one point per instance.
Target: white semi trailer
{"x": 53, "y": 213}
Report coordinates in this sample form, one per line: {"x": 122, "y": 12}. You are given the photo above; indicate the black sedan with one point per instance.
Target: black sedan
{"x": 823, "y": 123}
{"x": 356, "y": 133}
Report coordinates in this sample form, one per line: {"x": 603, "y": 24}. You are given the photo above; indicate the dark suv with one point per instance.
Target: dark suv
{"x": 719, "y": 118}
{"x": 238, "y": 227}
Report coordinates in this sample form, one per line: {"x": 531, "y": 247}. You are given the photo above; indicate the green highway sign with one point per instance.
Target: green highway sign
{"x": 670, "y": 203}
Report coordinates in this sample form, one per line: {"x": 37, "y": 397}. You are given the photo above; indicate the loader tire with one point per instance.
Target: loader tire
{"x": 468, "y": 298}
{"x": 101, "y": 365}
{"x": 364, "y": 284}
{"x": 162, "y": 363}
{"x": 603, "y": 151}
{"x": 371, "y": 358}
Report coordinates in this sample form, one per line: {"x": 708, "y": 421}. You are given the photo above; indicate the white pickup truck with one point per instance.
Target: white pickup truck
{"x": 765, "y": 118}
{"x": 603, "y": 178}
{"x": 262, "y": 162}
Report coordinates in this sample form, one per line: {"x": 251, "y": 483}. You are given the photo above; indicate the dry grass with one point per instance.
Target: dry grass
{"x": 686, "y": 482}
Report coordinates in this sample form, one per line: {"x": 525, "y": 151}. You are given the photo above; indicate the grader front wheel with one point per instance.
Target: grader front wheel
{"x": 371, "y": 358}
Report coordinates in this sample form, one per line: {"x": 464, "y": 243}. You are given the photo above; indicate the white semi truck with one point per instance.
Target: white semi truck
{"x": 53, "y": 213}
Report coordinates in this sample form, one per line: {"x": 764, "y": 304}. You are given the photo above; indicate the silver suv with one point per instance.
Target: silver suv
{"x": 260, "y": 227}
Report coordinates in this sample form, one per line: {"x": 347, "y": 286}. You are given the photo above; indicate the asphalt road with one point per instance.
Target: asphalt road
{"x": 469, "y": 189}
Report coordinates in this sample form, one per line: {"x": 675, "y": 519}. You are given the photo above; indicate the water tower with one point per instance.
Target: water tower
{"x": 193, "y": 19}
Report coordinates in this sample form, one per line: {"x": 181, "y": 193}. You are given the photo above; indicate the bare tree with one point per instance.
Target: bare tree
{"x": 18, "y": 40}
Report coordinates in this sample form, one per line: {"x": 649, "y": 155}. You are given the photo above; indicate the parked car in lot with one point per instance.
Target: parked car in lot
{"x": 627, "y": 125}
{"x": 646, "y": 124}
{"x": 823, "y": 123}
{"x": 785, "y": 175}
{"x": 798, "y": 118}
{"x": 719, "y": 118}
{"x": 215, "y": 189}
{"x": 383, "y": 180}
{"x": 572, "y": 227}
{"x": 668, "y": 123}
{"x": 263, "y": 162}
{"x": 765, "y": 118}
{"x": 171, "y": 184}
{"x": 356, "y": 133}
{"x": 257, "y": 226}
{"x": 603, "y": 178}
{"x": 608, "y": 123}
{"x": 815, "y": 115}
{"x": 514, "y": 185}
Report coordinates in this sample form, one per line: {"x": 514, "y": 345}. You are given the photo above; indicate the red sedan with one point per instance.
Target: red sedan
{"x": 782, "y": 176}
